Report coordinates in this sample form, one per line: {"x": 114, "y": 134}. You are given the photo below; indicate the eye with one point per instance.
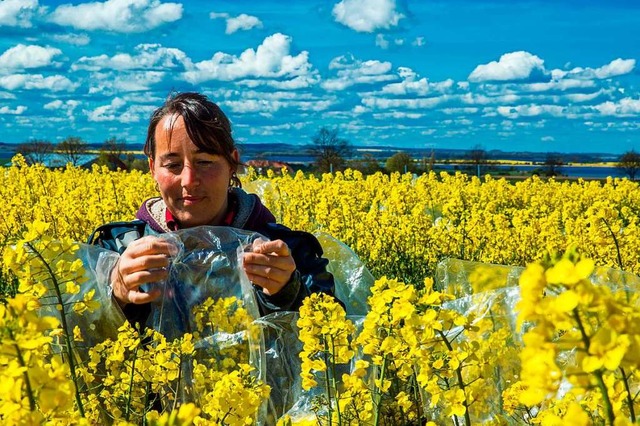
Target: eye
{"x": 172, "y": 166}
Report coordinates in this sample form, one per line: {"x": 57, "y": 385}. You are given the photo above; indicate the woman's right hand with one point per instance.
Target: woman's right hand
{"x": 144, "y": 261}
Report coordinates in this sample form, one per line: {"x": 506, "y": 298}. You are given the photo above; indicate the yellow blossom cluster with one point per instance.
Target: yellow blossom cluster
{"x": 416, "y": 359}
{"x": 419, "y": 356}
{"x": 139, "y": 377}
{"x": 578, "y": 335}
{"x": 402, "y": 225}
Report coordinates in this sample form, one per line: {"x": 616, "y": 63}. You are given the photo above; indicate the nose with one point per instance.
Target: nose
{"x": 189, "y": 176}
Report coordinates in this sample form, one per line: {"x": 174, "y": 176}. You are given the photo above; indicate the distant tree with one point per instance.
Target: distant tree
{"x": 399, "y": 162}
{"x": 139, "y": 164}
{"x": 368, "y": 164}
{"x": 477, "y": 156}
{"x": 329, "y": 151}
{"x": 429, "y": 164}
{"x": 35, "y": 151}
{"x": 113, "y": 154}
{"x": 629, "y": 163}
{"x": 552, "y": 164}
{"x": 72, "y": 149}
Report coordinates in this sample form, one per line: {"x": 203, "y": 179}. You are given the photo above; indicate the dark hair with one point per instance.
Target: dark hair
{"x": 207, "y": 126}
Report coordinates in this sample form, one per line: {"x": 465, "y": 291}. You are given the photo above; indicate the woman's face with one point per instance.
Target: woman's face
{"x": 193, "y": 183}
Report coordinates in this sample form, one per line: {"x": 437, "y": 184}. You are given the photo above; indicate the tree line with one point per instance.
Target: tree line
{"x": 112, "y": 153}
{"x": 329, "y": 150}
{"x": 332, "y": 153}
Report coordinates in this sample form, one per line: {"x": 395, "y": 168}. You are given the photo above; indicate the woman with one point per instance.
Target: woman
{"x": 193, "y": 159}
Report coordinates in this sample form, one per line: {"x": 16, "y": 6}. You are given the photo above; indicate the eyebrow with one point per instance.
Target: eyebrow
{"x": 175, "y": 154}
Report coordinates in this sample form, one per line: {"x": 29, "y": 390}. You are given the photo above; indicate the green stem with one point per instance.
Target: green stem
{"x": 327, "y": 379}
{"x": 598, "y": 373}
{"x": 378, "y": 393}
{"x": 333, "y": 381}
{"x": 175, "y": 401}
{"x": 65, "y": 328}
{"x": 615, "y": 241}
{"x": 417, "y": 396}
{"x": 632, "y": 411}
{"x": 32, "y": 400}
{"x": 147, "y": 402}
{"x": 127, "y": 411}
{"x": 461, "y": 385}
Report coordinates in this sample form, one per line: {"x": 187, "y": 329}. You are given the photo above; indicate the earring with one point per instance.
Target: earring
{"x": 234, "y": 179}
{"x": 157, "y": 187}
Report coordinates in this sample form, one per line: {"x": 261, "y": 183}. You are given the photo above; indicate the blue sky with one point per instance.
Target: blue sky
{"x": 544, "y": 76}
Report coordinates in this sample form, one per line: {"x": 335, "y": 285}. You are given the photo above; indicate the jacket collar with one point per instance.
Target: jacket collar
{"x": 250, "y": 213}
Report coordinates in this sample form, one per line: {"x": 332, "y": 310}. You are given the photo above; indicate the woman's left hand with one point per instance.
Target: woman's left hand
{"x": 269, "y": 265}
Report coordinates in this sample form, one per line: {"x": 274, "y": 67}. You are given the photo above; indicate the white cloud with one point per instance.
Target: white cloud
{"x": 272, "y": 130}
{"x": 115, "y": 111}
{"x": 558, "y": 84}
{"x": 111, "y": 83}
{"x": 584, "y": 97}
{"x": 17, "y": 111}
{"x": 623, "y": 108}
{"x": 147, "y": 56}
{"x": 242, "y": 22}
{"x": 397, "y": 115}
{"x": 547, "y": 139}
{"x": 352, "y": 71}
{"x": 367, "y": 15}
{"x": 122, "y": 16}
{"x": 614, "y": 68}
{"x": 411, "y": 85}
{"x": 22, "y": 57}
{"x": 54, "y": 83}
{"x": 270, "y": 60}
{"x": 54, "y": 105}
{"x": 382, "y": 42}
{"x": 419, "y": 103}
{"x": 17, "y": 13}
{"x": 460, "y": 110}
{"x": 299, "y": 82}
{"x": 235, "y": 23}
{"x": 68, "y": 107}
{"x": 418, "y": 42}
{"x": 267, "y": 107}
{"x": 74, "y": 39}
{"x": 514, "y": 112}
{"x": 511, "y": 66}
{"x": 480, "y": 99}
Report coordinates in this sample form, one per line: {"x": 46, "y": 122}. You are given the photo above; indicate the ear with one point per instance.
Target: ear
{"x": 151, "y": 163}
{"x": 236, "y": 158}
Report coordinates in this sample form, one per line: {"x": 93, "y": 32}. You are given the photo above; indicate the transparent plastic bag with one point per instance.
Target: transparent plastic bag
{"x": 207, "y": 265}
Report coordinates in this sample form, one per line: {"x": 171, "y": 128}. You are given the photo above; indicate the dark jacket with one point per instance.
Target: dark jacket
{"x": 250, "y": 214}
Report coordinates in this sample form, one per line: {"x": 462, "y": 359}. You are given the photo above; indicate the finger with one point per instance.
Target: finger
{"x": 151, "y": 245}
{"x": 136, "y": 279}
{"x": 266, "y": 275}
{"x": 139, "y": 297}
{"x": 278, "y": 247}
{"x": 286, "y": 263}
{"x": 150, "y": 261}
{"x": 269, "y": 285}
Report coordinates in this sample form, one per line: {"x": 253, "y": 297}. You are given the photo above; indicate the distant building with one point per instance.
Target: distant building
{"x": 263, "y": 165}
{"x": 55, "y": 160}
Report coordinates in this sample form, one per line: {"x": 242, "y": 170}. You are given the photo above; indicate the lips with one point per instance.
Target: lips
{"x": 188, "y": 200}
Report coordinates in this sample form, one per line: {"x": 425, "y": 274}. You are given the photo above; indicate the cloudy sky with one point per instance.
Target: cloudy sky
{"x": 556, "y": 75}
